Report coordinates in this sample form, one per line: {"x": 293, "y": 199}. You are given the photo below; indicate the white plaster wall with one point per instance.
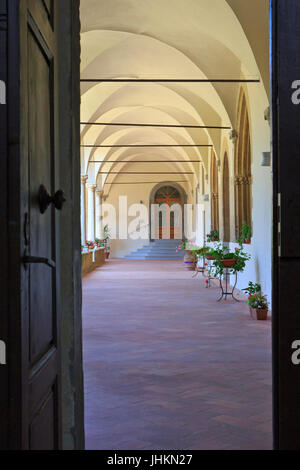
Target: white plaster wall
{"x": 135, "y": 194}
{"x": 259, "y": 268}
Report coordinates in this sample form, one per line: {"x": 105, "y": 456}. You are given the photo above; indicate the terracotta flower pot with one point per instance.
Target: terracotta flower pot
{"x": 229, "y": 263}
{"x": 262, "y": 314}
{"x": 247, "y": 241}
{"x": 189, "y": 260}
{"x": 210, "y": 257}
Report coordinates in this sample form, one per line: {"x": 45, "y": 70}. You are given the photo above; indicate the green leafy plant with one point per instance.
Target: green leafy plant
{"x": 196, "y": 250}
{"x": 100, "y": 243}
{"x": 90, "y": 244}
{"x": 106, "y": 233}
{"x": 202, "y": 251}
{"x": 258, "y": 301}
{"x": 245, "y": 233}
{"x": 252, "y": 289}
{"x": 221, "y": 253}
{"x": 187, "y": 245}
{"x": 213, "y": 236}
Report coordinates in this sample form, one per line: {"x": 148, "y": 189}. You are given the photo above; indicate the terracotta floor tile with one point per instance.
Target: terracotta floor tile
{"x": 166, "y": 366}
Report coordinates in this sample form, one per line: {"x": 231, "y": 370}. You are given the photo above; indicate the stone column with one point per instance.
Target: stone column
{"x": 91, "y": 211}
{"x": 99, "y": 194}
{"x": 83, "y": 209}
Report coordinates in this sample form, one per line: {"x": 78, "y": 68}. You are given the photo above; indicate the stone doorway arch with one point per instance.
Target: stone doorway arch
{"x": 155, "y": 190}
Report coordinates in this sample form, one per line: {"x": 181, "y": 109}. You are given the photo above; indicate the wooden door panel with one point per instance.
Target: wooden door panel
{"x": 41, "y": 425}
{"x": 42, "y": 226}
{"x": 48, "y": 5}
{"x": 170, "y": 218}
{"x": 40, "y": 120}
{"x": 45, "y": 419}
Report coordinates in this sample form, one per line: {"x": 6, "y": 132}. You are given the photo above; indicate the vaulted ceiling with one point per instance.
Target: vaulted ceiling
{"x": 166, "y": 39}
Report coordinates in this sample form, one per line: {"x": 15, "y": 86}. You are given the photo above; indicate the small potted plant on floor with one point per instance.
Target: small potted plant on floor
{"x": 245, "y": 234}
{"x": 259, "y": 303}
{"x": 251, "y": 290}
{"x": 106, "y": 240}
{"x": 190, "y": 258}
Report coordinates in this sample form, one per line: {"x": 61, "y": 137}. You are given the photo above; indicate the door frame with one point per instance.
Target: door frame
{"x": 286, "y": 378}
{"x": 152, "y": 198}
{"x": 12, "y": 230}
{"x": 285, "y": 68}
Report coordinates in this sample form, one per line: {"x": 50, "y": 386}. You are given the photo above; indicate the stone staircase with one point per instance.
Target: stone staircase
{"x": 159, "y": 249}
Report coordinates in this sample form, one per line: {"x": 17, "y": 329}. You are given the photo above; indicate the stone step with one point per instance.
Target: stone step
{"x": 159, "y": 249}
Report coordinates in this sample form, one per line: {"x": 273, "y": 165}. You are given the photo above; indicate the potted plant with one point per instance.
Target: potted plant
{"x": 90, "y": 244}
{"x": 202, "y": 252}
{"x": 245, "y": 234}
{"x": 192, "y": 253}
{"x": 259, "y": 303}
{"x": 106, "y": 239}
{"x": 210, "y": 256}
{"x": 189, "y": 258}
{"x": 100, "y": 243}
{"x": 224, "y": 258}
{"x": 251, "y": 290}
{"x": 213, "y": 236}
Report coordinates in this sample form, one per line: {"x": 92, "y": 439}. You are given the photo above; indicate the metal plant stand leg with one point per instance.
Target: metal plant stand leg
{"x": 199, "y": 270}
{"x": 209, "y": 277}
{"x": 225, "y": 292}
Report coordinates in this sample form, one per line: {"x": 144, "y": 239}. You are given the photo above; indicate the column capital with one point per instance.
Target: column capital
{"x": 84, "y": 178}
{"x": 91, "y": 187}
{"x": 233, "y": 136}
{"x": 267, "y": 115}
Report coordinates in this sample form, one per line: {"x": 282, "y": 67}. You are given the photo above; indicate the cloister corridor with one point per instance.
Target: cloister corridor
{"x": 167, "y": 367}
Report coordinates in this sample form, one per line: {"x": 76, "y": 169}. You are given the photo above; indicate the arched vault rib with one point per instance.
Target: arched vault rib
{"x": 156, "y": 96}
{"x": 160, "y": 61}
{"x": 206, "y": 31}
{"x": 112, "y": 136}
{"x": 166, "y": 155}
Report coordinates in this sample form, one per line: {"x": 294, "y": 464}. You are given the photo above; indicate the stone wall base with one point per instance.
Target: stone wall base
{"x": 92, "y": 260}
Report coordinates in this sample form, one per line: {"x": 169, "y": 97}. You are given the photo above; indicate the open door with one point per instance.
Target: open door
{"x": 286, "y": 257}
{"x": 43, "y": 197}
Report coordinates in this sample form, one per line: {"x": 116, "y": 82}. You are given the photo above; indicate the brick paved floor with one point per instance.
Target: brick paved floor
{"x": 167, "y": 367}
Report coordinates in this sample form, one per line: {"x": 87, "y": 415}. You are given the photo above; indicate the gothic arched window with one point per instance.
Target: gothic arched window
{"x": 242, "y": 167}
{"x": 226, "y": 199}
{"x": 214, "y": 190}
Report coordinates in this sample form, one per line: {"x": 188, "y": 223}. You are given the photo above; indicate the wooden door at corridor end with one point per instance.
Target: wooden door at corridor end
{"x": 285, "y": 37}
{"x": 169, "y": 196}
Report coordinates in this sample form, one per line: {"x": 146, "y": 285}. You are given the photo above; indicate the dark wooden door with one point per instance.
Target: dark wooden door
{"x": 41, "y": 394}
{"x": 170, "y": 216}
{"x": 286, "y": 254}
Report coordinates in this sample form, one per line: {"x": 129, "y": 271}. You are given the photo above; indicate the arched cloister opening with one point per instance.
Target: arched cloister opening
{"x": 242, "y": 168}
{"x": 155, "y": 131}
{"x": 226, "y": 199}
{"x": 171, "y": 226}
{"x": 214, "y": 190}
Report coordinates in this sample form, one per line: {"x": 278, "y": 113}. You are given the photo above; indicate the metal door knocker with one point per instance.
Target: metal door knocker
{"x": 45, "y": 199}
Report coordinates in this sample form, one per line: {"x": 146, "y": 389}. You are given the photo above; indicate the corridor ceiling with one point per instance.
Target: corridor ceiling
{"x": 189, "y": 39}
